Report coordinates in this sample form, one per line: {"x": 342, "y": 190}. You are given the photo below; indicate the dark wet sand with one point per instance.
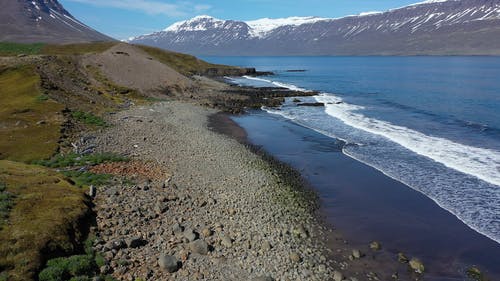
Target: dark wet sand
{"x": 366, "y": 205}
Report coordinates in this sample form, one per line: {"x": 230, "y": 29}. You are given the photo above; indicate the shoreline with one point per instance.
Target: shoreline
{"x": 386, "y": 262}
{"x": 251, "y": 199}
{"x": 336, "y": 187}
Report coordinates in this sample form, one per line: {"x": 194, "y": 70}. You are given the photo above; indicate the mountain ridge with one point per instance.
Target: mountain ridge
{"x": 435, "y": 27}
{"x": 47, "y": 21}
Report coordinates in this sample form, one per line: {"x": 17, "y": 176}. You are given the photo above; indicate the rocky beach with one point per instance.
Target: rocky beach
{"x": 215, "y": 210}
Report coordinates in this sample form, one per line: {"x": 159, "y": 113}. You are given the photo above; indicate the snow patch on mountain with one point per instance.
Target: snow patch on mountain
{"x": 261, "y": 27}
{"x": 199, "y": 23}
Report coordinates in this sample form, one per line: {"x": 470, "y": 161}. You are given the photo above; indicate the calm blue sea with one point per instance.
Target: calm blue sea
{"x": 432, "y": 123}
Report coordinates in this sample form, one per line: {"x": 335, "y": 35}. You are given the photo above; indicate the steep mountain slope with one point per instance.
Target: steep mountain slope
{"x": 27, "y": 21}
{"x": 430, "y": 27}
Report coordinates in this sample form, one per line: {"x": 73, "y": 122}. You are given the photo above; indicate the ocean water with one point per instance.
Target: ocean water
{"x": 432, "y": 123}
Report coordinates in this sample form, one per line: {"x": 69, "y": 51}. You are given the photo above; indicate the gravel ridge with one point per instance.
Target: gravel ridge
{"x": 221, "y": 211}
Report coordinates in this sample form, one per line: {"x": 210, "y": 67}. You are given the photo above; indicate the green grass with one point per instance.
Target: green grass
{"x": 43, "y": 219}
{"x": 42, "y": 98}
{"x": 82, "y": 179}
{"x": 77, "y": 49}
{"x": 6, "y": 203}
{"x": 73, "y": 160}
{"x": 76, "y": 267}
{"x": 88, "y": 118}
{"x": 14, "y": 49}
{"x": 30, "y": 128}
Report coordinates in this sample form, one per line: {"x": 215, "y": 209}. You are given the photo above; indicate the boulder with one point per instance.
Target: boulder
{"x": 295, "y": 257}
{"x": 168, "y": 263}
{"x": 375, "y": 246}
{"x": 417, "y": 266}
{"x": 199, "y": 247}
{"x": 226, "y": 242}
{"x": 338, "y": 276}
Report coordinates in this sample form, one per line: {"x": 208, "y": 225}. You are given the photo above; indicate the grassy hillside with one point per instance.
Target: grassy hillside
{"x": 43, "y": 219}
{"x": 30, "y": 123}
{"x": 14, "y": 49}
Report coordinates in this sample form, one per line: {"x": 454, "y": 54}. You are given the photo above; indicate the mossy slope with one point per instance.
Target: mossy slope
{"x": 43, "y": 222}
{"x": 29, "y": 125}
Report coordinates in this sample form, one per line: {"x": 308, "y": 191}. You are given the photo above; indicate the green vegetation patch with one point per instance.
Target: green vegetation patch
{"x": 77, "y": 49}
{"x": 44, "y": 218}
{"x": 82, "y": 179}
{"x": 29, "y": 126}
{"x": 88, "y": 118}
{"x": 77, "y": 267}
{"x": 14, "y": 49}
{"x": 185, "y": 64}
{"x": 6, "y": 203}
{"x": 73, "y": 160}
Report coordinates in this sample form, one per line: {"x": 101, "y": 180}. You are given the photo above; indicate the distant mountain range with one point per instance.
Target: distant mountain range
{"x": 28, "y": 21}
{"x": 435, "y": 27}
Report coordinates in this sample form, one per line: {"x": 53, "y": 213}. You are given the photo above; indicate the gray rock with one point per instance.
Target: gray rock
{"x": 206, "y": 232}
{"x": 376, "y": 246}
{"x": 168, "y": 263}
{"x": 266, "y": 246}
{"x": 321, "y": 268}
{"x": 160, "y": 208}
{"x": 104, "y": 269}
{"x": 190, "y": 235}
{"x": 166, "y": 183}
{"x": 417, "y": 265}
{"x": 92, "y": 191}
{"x": 116, "y": 244}
{"x": 226, "y": 242}
{"x": 199, "y": 247}
{"x": 295, "y": 257}
{"x": 356, "y": 254}
{"x": 402, "y": 258}
{"x": 338, "y": 276}
{"x": 177, "y": 229}
{"x": 300, "y": 231}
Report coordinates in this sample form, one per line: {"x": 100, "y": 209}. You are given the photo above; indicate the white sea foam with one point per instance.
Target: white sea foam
{"x": 279, "y": 84}
{"x": 479, "y": 162}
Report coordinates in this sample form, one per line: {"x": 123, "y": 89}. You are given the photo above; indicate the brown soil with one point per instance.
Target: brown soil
{"x": 134, "y": 170}
{"x": 131, "y": 67}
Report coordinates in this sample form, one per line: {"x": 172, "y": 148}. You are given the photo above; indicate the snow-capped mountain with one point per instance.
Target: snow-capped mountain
{"x": 430, "y": 27}
{"x": 42, "y": 21}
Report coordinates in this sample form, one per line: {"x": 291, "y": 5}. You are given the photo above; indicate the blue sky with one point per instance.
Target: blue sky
{"x": 125, "y": 18}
